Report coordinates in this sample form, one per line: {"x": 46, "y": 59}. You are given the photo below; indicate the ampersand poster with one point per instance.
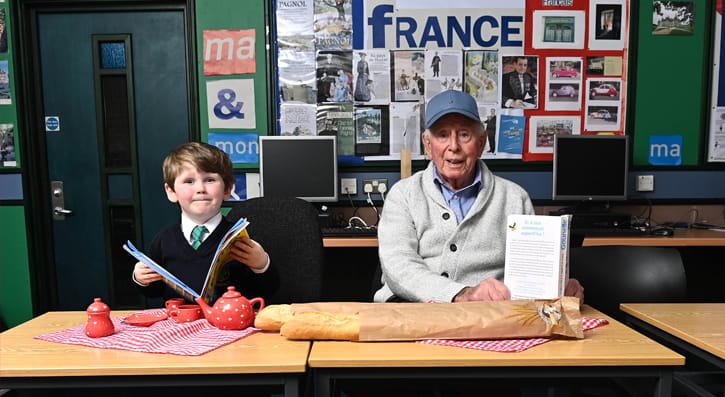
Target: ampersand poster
{"x": 230, "y": 104}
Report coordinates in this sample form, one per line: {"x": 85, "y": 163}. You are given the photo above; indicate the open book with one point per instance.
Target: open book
{"x": 221, "y": 257}
{"x": 537, "y": 256}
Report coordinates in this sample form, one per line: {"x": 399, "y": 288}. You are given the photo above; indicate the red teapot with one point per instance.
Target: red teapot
{"x": 231, "y": 310}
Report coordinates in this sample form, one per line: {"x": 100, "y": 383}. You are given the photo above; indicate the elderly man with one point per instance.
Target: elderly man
{"x": 442, "y": 232}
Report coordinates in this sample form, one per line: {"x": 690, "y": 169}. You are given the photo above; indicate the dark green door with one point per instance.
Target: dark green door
{"x": 116, "y": 86}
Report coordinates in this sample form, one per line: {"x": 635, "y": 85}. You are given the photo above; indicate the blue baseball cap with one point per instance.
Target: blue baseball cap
{"x": 450, "y": 101}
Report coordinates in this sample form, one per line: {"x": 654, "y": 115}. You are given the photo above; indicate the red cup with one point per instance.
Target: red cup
{"x": 186, "y": 313}
{"x": 173, "y": 303}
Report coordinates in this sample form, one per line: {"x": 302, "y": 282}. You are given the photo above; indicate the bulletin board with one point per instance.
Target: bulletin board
{"x": 673, "y": 42}
{"x": 9, "y": 151}
{"x": 364, "y": 70}
{"x": 716, "y": 136}
{"x": 233, "y": 77}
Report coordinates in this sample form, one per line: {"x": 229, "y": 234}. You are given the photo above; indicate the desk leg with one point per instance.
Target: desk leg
{"x": 321, "y": 381}
{"x": 663, "y": 387}
{"x": 291, "y": 386}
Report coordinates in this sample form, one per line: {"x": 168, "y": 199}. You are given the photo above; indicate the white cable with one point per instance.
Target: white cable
{"x": 356, "y": 218}
{"x": 370, "y": 201}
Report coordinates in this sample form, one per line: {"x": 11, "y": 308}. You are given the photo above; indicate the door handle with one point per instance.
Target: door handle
{"x": 61, "y": 211}
{"x": 57, "y": 201}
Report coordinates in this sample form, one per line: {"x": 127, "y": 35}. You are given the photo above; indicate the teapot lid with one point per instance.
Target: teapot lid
{"x": 98, "y": 306}
{"x": 231, "y": 293}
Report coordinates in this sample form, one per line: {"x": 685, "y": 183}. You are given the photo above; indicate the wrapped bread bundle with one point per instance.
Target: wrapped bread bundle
{"x": 416, "y": 321}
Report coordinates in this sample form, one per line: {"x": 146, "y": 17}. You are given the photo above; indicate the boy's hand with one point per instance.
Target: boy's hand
{"x": 144, "y": 275}
{"x": 250, "y": 253}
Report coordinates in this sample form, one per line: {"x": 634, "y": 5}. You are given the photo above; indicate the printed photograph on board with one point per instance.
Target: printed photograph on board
{"x": 334, "y": 76}
{"x": 673, "y": 18}
{"x": 605, "y": 89}
{"x": 543, "y": 130}
{"x": 607, "y": 25}
{"x": 408, "y": 68}
{"x": 372, "y": 132}
{"x": 4, "y": 84}
{"x": 443, "y": 71}
{"x": 371, "y": 77}
{"x": 3, "y": 33}
{"x": 558, "y": 29}
{"x": 7, "y": 145}
{"x": 519, "y": 82}
{"x": 333, "y": 24}
{"x": 481, "y": 75}
{"x": 563, "y": 87}
{"x": 595, "y": 66}
{"x": 602, "y": 118}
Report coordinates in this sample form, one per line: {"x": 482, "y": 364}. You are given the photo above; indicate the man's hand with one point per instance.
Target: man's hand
{"x": 573, "y": 288}
{"x": 489, "y": 289}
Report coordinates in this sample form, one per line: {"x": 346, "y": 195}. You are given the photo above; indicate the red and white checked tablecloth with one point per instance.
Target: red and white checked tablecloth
{"x": 508, "y": 345}
{"x": 166, "y": 336}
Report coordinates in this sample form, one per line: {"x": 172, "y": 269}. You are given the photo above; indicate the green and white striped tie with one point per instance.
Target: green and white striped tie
{"x": 197, "y": 236}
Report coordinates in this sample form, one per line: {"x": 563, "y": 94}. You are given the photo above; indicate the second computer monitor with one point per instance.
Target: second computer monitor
{"x": 299, "y": 166}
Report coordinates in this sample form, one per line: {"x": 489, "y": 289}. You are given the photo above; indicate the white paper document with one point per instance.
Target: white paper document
{"x": 537, "y": 256}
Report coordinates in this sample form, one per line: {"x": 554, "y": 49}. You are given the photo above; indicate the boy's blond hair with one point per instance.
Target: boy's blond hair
{"x": 204, "y": 157}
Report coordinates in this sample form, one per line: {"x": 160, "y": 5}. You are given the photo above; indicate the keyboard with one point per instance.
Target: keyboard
{"x": 609, "y": 232}
{"x": 349, "y": 231}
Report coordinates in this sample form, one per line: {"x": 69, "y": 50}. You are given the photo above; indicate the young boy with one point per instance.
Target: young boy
{"x": 199, "y": 177}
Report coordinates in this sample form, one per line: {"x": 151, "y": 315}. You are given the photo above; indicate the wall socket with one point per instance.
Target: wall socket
{"x": 645, "y": 183}
{"x": 373, "y": 185}
{"x": 348, "y": 186}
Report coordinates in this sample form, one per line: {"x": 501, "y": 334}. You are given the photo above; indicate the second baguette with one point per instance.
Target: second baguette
{"x": 272, "y": 317}
{"x": 322, "y": 326}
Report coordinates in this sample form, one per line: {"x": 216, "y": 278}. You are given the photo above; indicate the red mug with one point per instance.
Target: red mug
{"x": 173, "y": 303}
{"x": 186, "y": 313}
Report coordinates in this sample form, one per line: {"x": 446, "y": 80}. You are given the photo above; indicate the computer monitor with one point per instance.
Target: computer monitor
{"x": 590, "y": 167}
{"x": 299, "y": 166}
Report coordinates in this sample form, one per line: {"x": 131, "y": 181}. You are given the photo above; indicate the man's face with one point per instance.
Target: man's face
{"x": 454, "y": 145}
{"x": 521, "y": 65}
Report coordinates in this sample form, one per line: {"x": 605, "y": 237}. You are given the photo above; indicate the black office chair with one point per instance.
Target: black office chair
{"x": 289, "y": 231}
{"x": 619, "y": 274}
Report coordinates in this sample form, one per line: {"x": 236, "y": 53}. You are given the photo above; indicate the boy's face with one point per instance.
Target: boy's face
{"x": 200, "y": 194}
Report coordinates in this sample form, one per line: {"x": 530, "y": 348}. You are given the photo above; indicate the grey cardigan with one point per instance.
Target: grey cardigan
{"x": 425, "y": 255}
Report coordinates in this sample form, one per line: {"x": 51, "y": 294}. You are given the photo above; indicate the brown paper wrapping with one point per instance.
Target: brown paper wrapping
{"x": 463, "y": 321}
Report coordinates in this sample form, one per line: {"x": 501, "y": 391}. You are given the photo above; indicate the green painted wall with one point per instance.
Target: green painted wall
{"x": 15, "y": 299}
{"x": 16, "y": 304}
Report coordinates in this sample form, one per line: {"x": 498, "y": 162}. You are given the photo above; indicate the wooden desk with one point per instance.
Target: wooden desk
{"x": 695, "y": 329}
{"x": 260, "y": 359}
{"x": 349, "y": 242}
{"x": 699, "y": 324}
{"x": 613, "y": 350}
{"x": 681, "y": 238}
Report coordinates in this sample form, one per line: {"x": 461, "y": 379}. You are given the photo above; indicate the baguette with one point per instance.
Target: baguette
{"x": 322, "y": 326}
{"x": 272, "y": 317}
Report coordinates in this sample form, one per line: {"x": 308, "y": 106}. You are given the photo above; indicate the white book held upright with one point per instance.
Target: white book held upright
{"x": 537, "y": 256}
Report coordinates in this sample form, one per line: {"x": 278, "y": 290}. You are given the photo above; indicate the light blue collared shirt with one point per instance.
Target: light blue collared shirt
{"x": 461, "y": 201}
